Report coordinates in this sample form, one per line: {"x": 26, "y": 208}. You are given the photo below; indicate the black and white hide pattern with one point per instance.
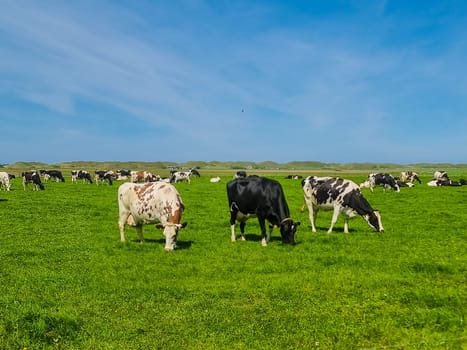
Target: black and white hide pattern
{"x": 340, "y": 195}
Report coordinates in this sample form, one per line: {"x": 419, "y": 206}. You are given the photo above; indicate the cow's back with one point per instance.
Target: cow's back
{"x": 150, "y": 202}
{"x": 254, "y": 192}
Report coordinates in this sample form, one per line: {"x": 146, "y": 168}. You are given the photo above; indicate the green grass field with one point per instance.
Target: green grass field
{"x": 67, "y": 282}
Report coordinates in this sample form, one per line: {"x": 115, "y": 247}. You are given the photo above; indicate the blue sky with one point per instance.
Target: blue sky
{"x": 330, "y": 81}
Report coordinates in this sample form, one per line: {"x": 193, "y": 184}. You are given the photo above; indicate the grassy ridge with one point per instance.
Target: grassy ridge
{"x": 66, "y": 281}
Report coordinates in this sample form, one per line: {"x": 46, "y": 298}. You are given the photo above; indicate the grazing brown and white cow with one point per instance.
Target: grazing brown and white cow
{"x": 343, "y": 196}
{"x": 409, "y": 177}
{"x": 151, "y": 203}
{"x": 34, "y": 178}
{"x": 143, "y": 176}
{"x": 5, "y": 180}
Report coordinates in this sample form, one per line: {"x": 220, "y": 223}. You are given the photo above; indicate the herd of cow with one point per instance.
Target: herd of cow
{"x": 150, "y": 199}
{"x": 108, "y": 176}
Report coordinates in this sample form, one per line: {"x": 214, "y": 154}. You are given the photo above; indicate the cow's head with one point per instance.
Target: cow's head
{"x": 171, "y": 235}
{"x": 288, "y": 229}
{"x": 374, "y": 220}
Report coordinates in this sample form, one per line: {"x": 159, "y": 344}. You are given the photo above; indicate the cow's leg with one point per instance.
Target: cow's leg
{"x": 232, "y": 232}
{"x": 268, "y": 237}
{"x": 242, "y": 230}
{"x": 139, "y": 229}
{"x": 335, "y": 215}
{"x": 262, "y": 224}
{"x": 233, "y": 216}
{"x": 121, "y": 224}
{"x": 346, "y": 224}
{"x": 312, "y": 213}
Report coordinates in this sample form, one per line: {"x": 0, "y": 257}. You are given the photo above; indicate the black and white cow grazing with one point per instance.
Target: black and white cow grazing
{"x": 380, "y": 179}
{"x": 263, "y": 198}
{"x": 104, "y": 175}
{"x": 32, "y": 177}
{"x": 151, "y": 203}
{"x": 343, "y": 196}
{"x": 55, "y": 174}
{"x": 240, "y": 174}
{"x": 178, "y": 176}
{"x": 81, "y": 175}
{"x": 409, "y": 177}
{"x": 441, "y": 175}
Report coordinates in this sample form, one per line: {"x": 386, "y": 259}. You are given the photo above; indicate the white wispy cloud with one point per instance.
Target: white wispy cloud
{"x": 230, "y": 79}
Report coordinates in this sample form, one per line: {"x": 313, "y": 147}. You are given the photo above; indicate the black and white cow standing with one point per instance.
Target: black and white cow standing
{"x": 380, "y": 179}
{"x": 343, "y": 196}
{"x": 263, "y": 198}
{"x": 409, "y": 177}
{"x": 151, "y": 203}
{"x": 178, "y": 176}
{"x": 5, "y": 180}
{"x": 81, "y": 175}
{"x": 34, "y": 178}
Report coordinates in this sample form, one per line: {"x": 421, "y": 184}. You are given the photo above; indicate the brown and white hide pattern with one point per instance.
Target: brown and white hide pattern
{"x": 151, "y": 203}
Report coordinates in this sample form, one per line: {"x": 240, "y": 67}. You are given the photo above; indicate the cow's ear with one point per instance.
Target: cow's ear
{"x": 159, "y": 226}
{"x": 184, "y": 224}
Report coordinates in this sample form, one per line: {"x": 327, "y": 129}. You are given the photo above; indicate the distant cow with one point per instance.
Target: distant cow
{"x": 294, "y": 177}
{"x": 380, "y": 179}
{"x": 104, "y": 175}
{"x": 263, "y": 198}
{"x": 436, "y": 183}
{"x": 179, "y": 176}
{"x": 150, "y": 203}
{"x": 215, "y": 179}
{"x": 343, "y": 196}
{"x": 55, "y": 174}
{"x": 123, "y": 174}
{"x": 32, "y": 177}
{"x": 409, "y": 177}
{"x": 441, "y": 175}
{"x": 240, "y": 174}
{"x": 404, "y": 184}
{"x": 82, "y": 175}
{"x": 143, "y": 176}
{"x": 5, "y": 181}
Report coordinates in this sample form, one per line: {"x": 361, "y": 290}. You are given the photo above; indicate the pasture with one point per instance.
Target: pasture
{"x": 67, "y": 282}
